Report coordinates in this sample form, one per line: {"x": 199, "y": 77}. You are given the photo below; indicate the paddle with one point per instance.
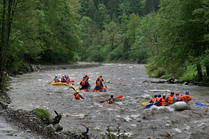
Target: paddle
{"x": 72, "y": 88}
{"x": 144, "y": 103}
{"x": 199, "y": 104}
{"x": 108, "y": 99}
{"x": 148, "y": 106}
{"x": 77, "y": 87}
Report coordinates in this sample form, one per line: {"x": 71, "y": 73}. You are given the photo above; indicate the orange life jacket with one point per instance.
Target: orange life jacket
{"x": 83, "y": 82}
{"x": 100, "y": 79}
{"x": 162, "y": 102}
{"x": 153, "y": 100}
{"x": 186, "y": 98}
{"x": 98, "y": 83}
{"x": 111, "y": 101}
{"x": 171, "y": 99}
{"x": 158, "y": 98}
{"x": 179, "y": 98}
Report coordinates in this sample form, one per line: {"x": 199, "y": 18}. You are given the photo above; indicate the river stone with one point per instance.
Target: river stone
{"x": 180, "y": 106}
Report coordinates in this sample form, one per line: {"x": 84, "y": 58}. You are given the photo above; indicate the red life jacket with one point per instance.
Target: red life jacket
{"x": 111, "y": 101}
{"x": 171, "y": 99}
{"x": 163, "y": 102}
{"x": 98, "y": 83}
{"x": 77, "y": 96}
{"x": 83, "y": 82}
{"x": 187, "y": 98}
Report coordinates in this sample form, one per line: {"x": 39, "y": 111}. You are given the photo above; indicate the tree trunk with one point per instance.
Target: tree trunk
{"x": 2, "y": 43}
{"x": 6, "y": 23}
{"x": 207, "y": 70}
{"x": 199, "y": 72}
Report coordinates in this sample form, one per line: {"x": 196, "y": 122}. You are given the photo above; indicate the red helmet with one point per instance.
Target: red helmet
{"x": 177, "y": 93}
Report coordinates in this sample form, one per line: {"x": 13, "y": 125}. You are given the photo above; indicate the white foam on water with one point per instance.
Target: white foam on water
{"x": 133, "y": 125}
{"x": 127, "y": 118}
{"x": 155, "y": 90}
{"x": 81, "y": 115}
{"x": 67, "y": 114}
{"x": 119, "y": 103}
{"x": 177, "y": 130}
{"x": 97, "y": 104}
{"x": 146, "y": 96}
{"x": 135, "y": 116}
{"x": 109, "y": 109}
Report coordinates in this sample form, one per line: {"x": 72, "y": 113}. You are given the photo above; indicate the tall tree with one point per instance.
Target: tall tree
{"x": 7, "y": 13}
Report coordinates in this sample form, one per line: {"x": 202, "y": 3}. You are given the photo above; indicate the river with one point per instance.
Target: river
{"x": 30, "y": 91}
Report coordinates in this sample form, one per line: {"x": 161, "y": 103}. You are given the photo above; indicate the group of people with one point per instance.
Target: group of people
{"x": 63, "y": 79}
{"x": 162, "y": 100}
{"x": 85, "y": 84}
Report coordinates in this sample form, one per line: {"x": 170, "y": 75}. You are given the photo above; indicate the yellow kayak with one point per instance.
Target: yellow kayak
{"x": 59, "y": 83}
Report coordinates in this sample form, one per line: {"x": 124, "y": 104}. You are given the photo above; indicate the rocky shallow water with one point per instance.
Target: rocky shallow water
{"x": 30, "y": 91}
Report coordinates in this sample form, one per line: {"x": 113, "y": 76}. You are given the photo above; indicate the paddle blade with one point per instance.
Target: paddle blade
{"x": 49, "y": 82}
{"x": 101, "y": 101}
{"x": 77, "y": 87}
{"x": 148, "y": 106}
{"x": 199, "y": 104}
{"x": 72, "y": 81}
{"x": 120, "y": 97}
{"x": 144, "y": 103}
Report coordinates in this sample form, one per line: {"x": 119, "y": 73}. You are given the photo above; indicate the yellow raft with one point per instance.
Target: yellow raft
{"x": 60, "y": 83}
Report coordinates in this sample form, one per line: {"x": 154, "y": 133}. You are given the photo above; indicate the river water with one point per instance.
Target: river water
{"x": 30, "y": 91}
{"x": 8, "y": 131}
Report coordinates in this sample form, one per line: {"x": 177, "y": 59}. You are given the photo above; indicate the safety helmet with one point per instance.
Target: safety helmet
{"x": 77, "y": 91}
{"x": 182, "y": 95}
{"x": 164, "y": 95}
{"x": 159, "y": 95}
{"x": 177, "y": 94}
{"x": 187, "y": 92}
{"x": 111, "y": 96}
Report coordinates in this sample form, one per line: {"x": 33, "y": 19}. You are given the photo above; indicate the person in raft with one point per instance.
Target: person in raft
{"x": 77, "y": 95}
{"x": 186, "y": 98}
{"x": 99, "y": 85}
{"x": 170, "y": 99}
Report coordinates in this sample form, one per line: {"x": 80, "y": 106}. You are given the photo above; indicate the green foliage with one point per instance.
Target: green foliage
{"x": 43, "y": 114}
{"x": 181, "y": 39}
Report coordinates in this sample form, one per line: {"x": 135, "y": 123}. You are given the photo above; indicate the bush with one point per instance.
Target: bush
{"x": 43, "y": 114}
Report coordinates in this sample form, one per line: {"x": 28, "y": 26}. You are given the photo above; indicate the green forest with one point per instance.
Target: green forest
{"x": 170, "y": 37}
